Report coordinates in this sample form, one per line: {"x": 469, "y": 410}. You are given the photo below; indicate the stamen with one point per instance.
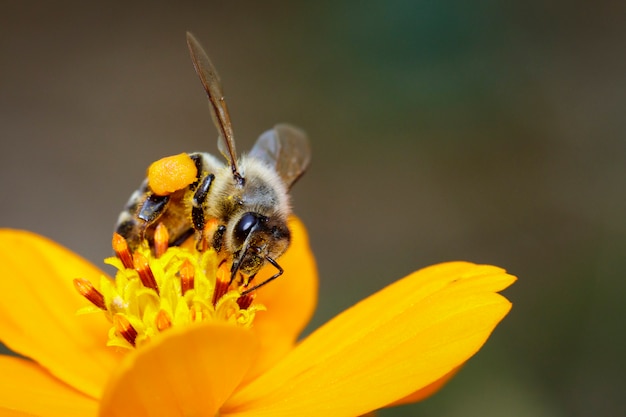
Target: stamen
{"x": 87, "y": 290}
{"x": 158, "y": 287}
{"x": 222, "y": 282}
{"x": 186, "y": 277}
{"x": 161, "y": 240}
{"x": 163, "y": 320}
{"x": 120, "y": 246}
{"x": 123, "y": 327}
{"x": 245, "y": 300}
{"x": 145, "y": 273}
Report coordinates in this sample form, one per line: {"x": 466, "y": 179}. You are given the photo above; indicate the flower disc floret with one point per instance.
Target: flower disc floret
{"x": 181, "y": 286}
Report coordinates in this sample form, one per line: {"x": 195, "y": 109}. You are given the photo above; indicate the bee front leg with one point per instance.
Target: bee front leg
{"x": 153, "y": 207}
{"x": 209, "y": 230}
{"x": 198, "y": 202}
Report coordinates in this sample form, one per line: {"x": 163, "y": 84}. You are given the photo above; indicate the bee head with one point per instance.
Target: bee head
{"x": 256, "y": 238}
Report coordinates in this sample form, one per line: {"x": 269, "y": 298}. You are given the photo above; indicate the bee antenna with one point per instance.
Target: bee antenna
{"x": 238, "y": 177}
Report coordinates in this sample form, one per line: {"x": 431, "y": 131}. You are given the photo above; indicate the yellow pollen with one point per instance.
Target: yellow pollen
{"x": 177, "y": 287}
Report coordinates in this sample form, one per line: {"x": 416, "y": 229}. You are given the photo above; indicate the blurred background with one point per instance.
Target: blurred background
{"x": 447, "y": 130}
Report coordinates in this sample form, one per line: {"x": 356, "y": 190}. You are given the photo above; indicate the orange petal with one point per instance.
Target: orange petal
{"x": 38, "y": 305}
{"x": 290, "y": 299}
{"x": 401, "y": 339}
{"x": 29, "y": 390}
{"x": 186, "y": 371}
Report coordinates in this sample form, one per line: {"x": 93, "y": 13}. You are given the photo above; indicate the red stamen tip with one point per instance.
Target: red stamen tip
{"x": 123, "y": 327}
{"x": 120, "y": 246}
{"x": 222, "y": 283}
{"x": 245, "y": 300}
{"x": 87, "y": 290}
{"x": 145, "y": 273}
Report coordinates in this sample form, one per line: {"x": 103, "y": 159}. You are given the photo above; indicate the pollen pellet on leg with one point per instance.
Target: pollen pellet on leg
{"x": 171, "y": 174}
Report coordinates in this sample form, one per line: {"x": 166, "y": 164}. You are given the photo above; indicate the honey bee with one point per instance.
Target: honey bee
{"x": 239, "y": 208}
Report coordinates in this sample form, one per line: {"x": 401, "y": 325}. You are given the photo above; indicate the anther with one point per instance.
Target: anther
{"x": 123, "y": 327}
{"x": 186, "y": 277}
{"x": 163, "y": 320}
{"x": 87, "y": 290}
{"x": 145, "y": 273}
{"x": 245, "y": 301}
{"x": 161, "y": 240}
{"x": 120, "y": 246}
{"x": 222, "y": 283}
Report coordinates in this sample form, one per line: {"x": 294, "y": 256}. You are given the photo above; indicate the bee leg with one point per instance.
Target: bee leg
{"x": 153, "y": 207}
{"x": 218, "y": 237}
{"x": 198, "y": 202}
{"x": 270, "y": 279}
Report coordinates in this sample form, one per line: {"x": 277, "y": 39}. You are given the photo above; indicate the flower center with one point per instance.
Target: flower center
{"x": 160, "y": 287}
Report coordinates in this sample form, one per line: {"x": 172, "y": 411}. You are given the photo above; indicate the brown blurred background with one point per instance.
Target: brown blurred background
{"x": 441, "y": 131}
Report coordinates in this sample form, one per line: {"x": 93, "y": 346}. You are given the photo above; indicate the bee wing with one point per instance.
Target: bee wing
{"x": 213, "y": 87}
{"x": 287, "y": 149}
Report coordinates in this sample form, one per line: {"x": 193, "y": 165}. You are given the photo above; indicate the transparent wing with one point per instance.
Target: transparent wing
{"x": 213, "y": 87}
{"x": 287, "y": 149}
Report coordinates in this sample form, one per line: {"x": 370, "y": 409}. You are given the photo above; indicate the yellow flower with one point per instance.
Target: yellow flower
{"x": 399, "y": 345}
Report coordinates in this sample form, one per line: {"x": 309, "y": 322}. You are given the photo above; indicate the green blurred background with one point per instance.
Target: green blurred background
{"x": 484, "y": 131}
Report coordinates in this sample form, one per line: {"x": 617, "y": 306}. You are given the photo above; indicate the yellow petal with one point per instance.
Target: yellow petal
{"x": 401, "y": 339}
{"x": 27, "y": 389}
{"x": 38, "y": 305}
{"x": 290, "y": 299}
{"x": 427, "y": 391}
{"x": 186, "y": 371}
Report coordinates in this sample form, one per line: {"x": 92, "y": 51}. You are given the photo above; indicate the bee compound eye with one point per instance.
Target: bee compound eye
{"x": 245, "y": 226}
